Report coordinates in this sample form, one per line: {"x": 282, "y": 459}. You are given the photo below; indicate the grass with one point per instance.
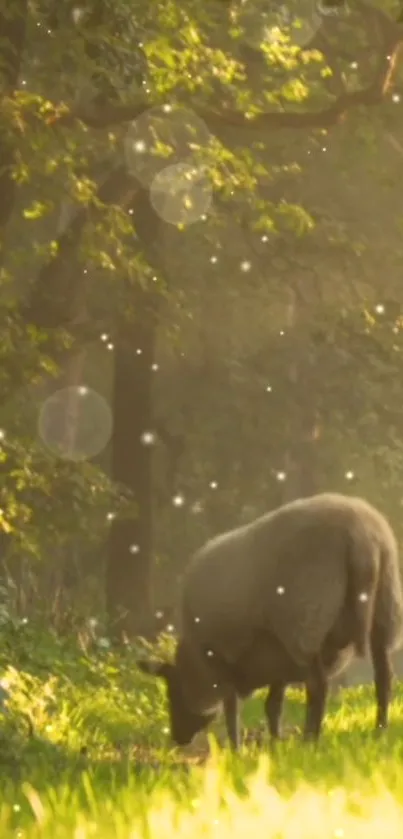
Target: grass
{"x": 84, "y": 752}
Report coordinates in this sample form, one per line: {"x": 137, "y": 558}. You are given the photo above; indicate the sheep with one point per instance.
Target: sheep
{"x": 291, "y": 597}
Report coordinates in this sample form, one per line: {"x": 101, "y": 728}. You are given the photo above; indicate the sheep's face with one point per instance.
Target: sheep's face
{"x": 184, "y": 723}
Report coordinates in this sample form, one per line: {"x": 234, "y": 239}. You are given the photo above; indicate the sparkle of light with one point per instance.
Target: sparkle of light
{"x": 134, "y": 549}
{"x": 148, "y": 438}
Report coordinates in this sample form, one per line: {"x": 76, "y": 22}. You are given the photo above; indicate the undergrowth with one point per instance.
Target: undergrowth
{"x": 85, "y": 751}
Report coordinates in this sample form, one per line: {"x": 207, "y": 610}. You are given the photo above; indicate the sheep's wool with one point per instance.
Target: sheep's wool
{"x": 288, "y": 572}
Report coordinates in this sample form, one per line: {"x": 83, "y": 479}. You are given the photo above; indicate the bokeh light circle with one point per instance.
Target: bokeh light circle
{"x": 75, "y": 423}
{"x": 163, "y": 136}
{"x": 181, "y": 193}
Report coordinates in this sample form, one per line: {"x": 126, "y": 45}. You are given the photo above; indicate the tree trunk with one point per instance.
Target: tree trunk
{"x": 55, "y": 575}
{"x": 129, "y": 564}
{"x": 301, "y": 458}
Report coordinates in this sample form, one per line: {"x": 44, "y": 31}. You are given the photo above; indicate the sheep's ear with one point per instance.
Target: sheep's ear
{"x": 160, "y": 669}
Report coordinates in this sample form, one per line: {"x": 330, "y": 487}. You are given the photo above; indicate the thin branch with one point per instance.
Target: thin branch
{"x": 334, "y": 114}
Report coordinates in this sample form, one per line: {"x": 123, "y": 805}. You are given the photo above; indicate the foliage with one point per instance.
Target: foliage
{"x": 38, "y": 502}
{"x": 282, "y": 306}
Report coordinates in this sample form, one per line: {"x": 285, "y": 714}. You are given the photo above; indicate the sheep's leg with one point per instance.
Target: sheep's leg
{"x": 232, "y": 720}
{"x": 383, "y": 674}
{"x": 317, "y": 687}
{"x": 273, "y": 707}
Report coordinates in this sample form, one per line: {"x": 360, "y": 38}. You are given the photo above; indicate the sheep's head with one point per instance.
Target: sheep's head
{"x": 184, "y": 723}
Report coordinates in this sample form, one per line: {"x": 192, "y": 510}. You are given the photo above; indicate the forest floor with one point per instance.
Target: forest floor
{"x": 85, "y": 752}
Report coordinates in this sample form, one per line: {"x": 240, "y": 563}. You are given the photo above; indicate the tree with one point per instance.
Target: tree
{"x": 61, "y": 144}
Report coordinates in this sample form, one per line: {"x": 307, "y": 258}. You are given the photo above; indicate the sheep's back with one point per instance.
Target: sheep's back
{"x": 285, "y": 573}
{"x": 217, "y": 595}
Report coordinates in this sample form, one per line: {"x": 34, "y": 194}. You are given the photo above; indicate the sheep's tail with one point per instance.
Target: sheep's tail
{"x": 362, "y": 583}
{"x": 388, "y": 613}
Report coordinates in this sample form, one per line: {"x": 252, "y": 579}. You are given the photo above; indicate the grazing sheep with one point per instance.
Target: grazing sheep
{"x": 290, "y": 597}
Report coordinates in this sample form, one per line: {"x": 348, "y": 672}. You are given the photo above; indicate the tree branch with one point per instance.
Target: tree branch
{"x": 54, "y": 292}
{"x": 335, "y": 113}
{"x": 53, "y": 299}
{"x": 392, "y": 37}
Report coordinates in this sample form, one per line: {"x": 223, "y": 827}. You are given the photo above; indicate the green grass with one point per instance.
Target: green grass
{"x": 84, "y": 752}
